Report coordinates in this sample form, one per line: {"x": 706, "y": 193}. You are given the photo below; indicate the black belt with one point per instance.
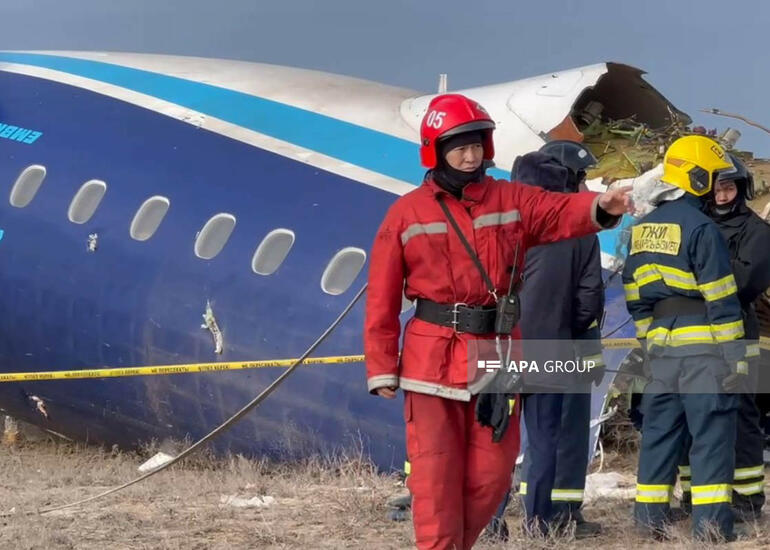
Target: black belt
{"x": 678, "y": 305}
{"x": 461, "y": 317}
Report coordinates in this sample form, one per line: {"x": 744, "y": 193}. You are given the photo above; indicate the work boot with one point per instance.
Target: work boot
{"x": 583, "y": 529}
{"x": 399, "y": 508}
{"x": 676, "y": 515}
{"x": 587, "y": 529}
{"x": 658, "y": 533}
{"x": 741, "y": 532}
{"x": 398, "y": 514}
{"x": 497, "y": 530}
{"x": 746, "y": 515}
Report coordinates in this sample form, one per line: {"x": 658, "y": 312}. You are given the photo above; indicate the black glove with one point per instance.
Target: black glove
{"x": 597, "y": 374}
{"x": 738, "y": 373}
{"x": 643, "y": 357}
{"x": 492, "y": 409}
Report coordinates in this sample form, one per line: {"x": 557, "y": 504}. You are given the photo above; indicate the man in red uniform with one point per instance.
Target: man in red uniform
{"x": 458, "y": 473}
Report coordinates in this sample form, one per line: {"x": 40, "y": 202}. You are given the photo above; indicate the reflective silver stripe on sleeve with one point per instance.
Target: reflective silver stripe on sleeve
{"x": 431, "y": 388}
{"x": 497, "y": 218}
{"x": 422, "y": 229}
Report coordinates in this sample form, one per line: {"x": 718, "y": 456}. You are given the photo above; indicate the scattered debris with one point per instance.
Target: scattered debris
{"x": 254, "y": 502}
{"x": 630, "y": 152}
{"x": 10, "y": 431}
{"x": 627, "y": 149}
{"x": 609, "y": 485}
{"x": 158, "y": 460}
{"x": 739, "y": 117}
{"x": 210, "y": 323}
{"x": 40, "y": 405}
{"x": 609, "y": 413}
{"x": 93, "y": 242}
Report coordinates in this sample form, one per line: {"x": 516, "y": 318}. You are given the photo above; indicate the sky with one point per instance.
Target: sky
{"x": 699, "y": 54}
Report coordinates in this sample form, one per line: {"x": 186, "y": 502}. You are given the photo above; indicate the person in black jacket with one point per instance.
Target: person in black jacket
{"x": 748, "y": 241}
{"x": 562, "y": 300}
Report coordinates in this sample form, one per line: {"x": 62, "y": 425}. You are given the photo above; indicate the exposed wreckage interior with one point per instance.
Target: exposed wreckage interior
{"x": 628, "y": 125}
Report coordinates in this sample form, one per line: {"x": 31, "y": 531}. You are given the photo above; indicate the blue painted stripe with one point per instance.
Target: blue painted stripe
{"x": 357, "y": 145}
{"x": 342, "y": 140}
{"x": 348, "y": 142}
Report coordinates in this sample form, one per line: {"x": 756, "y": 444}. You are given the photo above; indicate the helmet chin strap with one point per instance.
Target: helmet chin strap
{"x": 724, "y": 209}
{"x": 727, "y": 208}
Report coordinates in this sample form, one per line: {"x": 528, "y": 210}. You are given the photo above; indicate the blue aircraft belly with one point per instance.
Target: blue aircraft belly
{"x": 135, "y": 303}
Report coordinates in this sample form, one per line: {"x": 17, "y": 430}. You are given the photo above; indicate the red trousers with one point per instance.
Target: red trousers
{"x": 458, "y": 475}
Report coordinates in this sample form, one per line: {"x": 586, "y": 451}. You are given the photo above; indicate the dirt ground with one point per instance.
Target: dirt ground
{"x": 317, "y": 504}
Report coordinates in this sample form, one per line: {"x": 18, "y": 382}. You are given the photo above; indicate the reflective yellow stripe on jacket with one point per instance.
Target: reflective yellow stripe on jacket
{"x": 695, "y": 334}
{"x": 677, "y": 278}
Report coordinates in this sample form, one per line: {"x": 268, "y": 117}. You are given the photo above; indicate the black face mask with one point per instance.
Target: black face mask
{"x": 454, "y": 181}
{"x": 451, "y": 179}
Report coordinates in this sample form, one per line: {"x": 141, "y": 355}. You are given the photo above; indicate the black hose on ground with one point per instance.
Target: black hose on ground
{"x": 227, "y": 423}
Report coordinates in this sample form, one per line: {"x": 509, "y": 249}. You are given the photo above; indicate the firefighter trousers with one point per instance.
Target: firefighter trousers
{"x": 457, "y": 474}
{"x": 670, "y": 413}
{"x": 749, "y": 475}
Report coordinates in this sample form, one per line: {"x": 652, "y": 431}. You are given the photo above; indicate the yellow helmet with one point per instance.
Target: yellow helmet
{"x": 693, "y": 163}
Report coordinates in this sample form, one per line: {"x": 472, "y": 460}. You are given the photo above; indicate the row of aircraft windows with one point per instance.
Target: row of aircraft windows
{"x": 339, "y": 274}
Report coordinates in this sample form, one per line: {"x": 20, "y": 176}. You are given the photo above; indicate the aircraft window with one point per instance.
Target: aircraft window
{"x": 86, "y": 201}
{"x": 147, "y": 219}
{"x": 342, "y": 270}
{"x": 26, "y": 185}
{"x": 272, "y": 251}
{"x": 214, "y": 235}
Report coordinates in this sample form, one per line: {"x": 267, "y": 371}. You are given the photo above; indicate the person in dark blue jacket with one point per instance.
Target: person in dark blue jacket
{"x": 562, "y": 300}
{"x": 683, "y": 298}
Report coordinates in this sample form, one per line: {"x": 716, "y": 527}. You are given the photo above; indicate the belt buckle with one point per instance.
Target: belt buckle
{"x": 455, "y": 313}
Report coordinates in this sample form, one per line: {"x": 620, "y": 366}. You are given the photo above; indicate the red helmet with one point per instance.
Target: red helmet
{"x": 452, "y": 114}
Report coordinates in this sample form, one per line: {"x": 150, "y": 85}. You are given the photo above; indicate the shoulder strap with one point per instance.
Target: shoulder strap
{"x": 466, "y": 244}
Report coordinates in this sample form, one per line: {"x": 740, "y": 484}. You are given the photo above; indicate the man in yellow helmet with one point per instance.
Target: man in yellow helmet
{"x": 683, "y": 298}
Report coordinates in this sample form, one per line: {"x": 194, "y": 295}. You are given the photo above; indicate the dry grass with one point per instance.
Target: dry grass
{"x": 334, "y": 503}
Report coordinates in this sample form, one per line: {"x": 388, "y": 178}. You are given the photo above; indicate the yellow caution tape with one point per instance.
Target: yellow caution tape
{"x": 607, "y": 343}
{"x": 620, "y": 343}
{"x": 172, "y": 369}
{"x": 629, "y": 343}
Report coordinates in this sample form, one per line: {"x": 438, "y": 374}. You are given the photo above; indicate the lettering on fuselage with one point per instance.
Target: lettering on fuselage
{"x": 663, "y": 238}
{"x": 17, "y": 133}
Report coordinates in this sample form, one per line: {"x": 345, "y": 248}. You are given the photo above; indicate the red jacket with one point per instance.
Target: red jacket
{"x": 416, "y": 243}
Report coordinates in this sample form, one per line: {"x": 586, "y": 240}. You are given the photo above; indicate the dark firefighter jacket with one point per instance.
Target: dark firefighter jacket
{"x": 562, "y": 295}
{"x": 676, "y": 251}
